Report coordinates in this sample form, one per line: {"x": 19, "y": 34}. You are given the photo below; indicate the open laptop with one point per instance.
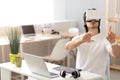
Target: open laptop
{"x": 37, "y": 65}
{"x": 28, "y": 30}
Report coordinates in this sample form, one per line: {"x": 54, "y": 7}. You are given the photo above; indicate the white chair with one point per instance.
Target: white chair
{"x": 73, "y": 30}
{"x": 59, "y": 52}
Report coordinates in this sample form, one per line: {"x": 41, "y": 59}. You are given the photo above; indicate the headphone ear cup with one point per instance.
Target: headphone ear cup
{"x": 63, "y": 73}
{"x": 78, "y": 74}
{"x": 75, "y": 74}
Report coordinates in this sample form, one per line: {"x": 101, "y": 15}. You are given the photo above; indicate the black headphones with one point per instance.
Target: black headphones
{"x": 54, "y": 32}
{"x": 75, "y": 73}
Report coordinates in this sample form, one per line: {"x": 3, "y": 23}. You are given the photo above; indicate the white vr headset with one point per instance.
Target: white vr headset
{"x": 91, "y": 14}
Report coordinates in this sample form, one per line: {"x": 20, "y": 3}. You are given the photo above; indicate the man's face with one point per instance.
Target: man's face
{"x": 92, "y": 23}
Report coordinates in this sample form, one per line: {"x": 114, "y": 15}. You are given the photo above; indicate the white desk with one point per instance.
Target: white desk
{"x": 7, "y": 68}
{"x": 4, "y": 48}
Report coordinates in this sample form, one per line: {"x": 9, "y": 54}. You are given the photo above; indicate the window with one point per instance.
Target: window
{"x": 17, "y": 12}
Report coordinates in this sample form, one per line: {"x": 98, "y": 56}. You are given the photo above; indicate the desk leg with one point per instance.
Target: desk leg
{"x": 5, "y": 74}
{"x": 71, "y": 55}
{"x": 22, "y": 77}
{"x": 3, "y": 53}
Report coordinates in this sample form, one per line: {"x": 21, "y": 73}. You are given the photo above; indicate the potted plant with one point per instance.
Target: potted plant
{"x": 14, "y": 37}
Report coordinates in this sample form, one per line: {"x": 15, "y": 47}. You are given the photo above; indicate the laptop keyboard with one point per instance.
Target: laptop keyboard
{"x": 67, "y": 69}
{"x": 53, "y": 74}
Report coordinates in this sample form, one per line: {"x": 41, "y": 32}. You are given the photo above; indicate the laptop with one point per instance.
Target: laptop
{"x": 28, "y": 30}
{"x": 37, "y": 65}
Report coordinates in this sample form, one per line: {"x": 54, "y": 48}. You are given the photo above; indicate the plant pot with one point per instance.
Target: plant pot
{"x": 18, "y": 61}
{"x": 12, "y": 57}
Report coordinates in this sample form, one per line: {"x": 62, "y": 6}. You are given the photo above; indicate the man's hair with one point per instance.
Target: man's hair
{"x": 84, "y": 18}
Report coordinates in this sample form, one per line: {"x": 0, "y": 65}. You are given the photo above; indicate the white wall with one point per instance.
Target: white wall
{"x": 59, "y": 9}
{"x": 118, "y": 12}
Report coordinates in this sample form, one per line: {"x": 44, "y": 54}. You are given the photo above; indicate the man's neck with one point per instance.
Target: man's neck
{"x": 94, "y": 31}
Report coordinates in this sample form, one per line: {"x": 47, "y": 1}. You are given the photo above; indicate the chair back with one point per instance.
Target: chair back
{"x": 59, "y": 52}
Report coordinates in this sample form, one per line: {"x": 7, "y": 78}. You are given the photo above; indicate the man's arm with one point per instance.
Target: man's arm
{"x": 75, "y": 43}
{"x": 115, "y": 51}
{"x": 115, "y": 47}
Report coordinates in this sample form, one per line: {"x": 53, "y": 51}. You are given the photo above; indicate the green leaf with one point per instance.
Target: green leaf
{"x": 14, "y": 37}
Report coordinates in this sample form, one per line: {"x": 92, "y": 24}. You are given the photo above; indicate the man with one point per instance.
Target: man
{"x": 93, "y": 48}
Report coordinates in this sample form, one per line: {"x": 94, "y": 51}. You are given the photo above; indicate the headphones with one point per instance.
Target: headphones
{"x": 75, "y": 73}
{"x": 54, "y": 32}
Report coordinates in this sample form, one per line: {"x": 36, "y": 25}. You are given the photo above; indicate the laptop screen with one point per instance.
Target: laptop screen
{"x": 28, "y": 29}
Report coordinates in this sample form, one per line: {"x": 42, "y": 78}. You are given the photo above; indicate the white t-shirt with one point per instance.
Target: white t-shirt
{"x": 94, "y": 56}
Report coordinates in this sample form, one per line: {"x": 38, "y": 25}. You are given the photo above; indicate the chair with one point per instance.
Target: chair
{"x": 72, "y": 53}
{"x": 59, "y": 52}
{"x": 74, "y": 30}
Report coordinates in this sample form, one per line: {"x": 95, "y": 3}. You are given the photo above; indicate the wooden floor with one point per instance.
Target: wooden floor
{"x": 114, "y": 74}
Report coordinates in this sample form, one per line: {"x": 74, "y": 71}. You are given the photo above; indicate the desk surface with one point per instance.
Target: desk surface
{"x": 38, "y": 37}
{"x": 25, "y": 71}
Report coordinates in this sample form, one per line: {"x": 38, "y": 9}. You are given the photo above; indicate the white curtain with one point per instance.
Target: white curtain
{"x": 17, "y": 12}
